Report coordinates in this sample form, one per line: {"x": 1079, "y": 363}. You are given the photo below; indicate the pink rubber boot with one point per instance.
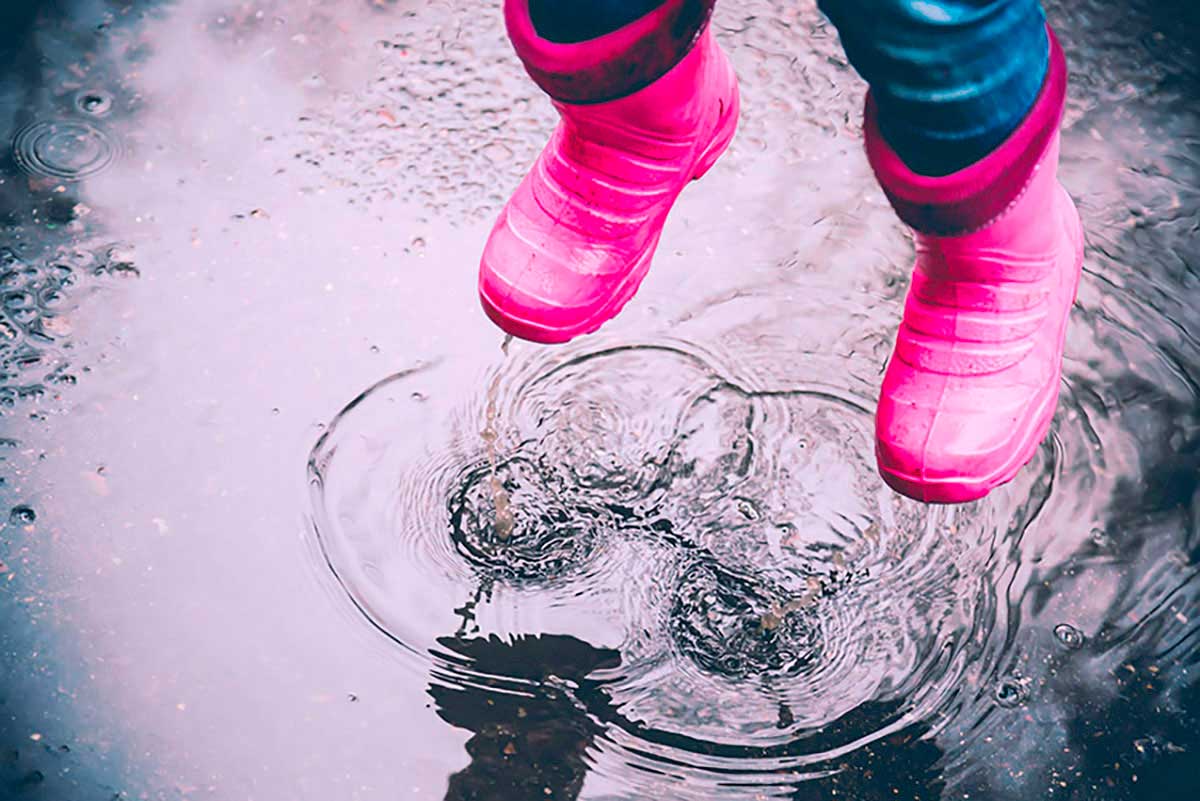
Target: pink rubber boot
{"x": 645, "y": 110}
{"x": 973, "y": 382}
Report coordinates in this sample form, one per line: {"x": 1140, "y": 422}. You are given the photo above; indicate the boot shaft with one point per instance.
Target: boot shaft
{"x": 1018, "y": 247}
{"x": 670, "y": 109}
{"x": 978, "y": 196}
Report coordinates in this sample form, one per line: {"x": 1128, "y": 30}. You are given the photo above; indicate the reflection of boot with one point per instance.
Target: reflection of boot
{"x": 973, "y": 382}
{"x": 644, "y": 110}
{"x": 529, "y": 740}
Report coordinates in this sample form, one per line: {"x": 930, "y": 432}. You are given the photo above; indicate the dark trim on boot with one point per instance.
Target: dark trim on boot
{"x": 611, "y": 66}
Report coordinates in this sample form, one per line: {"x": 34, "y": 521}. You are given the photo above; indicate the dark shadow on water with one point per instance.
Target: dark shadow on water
{"x": 1141, "y": 744}
{"x": 525, "y": 746}
{"x": 533, "y": 729}
{"x": 46, "y": 753}
{"x": 16, "y": 20}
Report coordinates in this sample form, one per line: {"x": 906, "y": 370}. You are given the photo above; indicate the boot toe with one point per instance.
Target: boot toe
{"x": 544, "y": 285}
{"x": 939, "y": 442}
{"x": 940, "y": 458}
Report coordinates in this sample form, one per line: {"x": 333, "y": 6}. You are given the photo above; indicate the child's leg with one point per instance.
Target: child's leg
{"x": 951, "y": 79}
{"x": 568, "y": 21}
{"x": 648, "y": 102}
{"x": 961, "y": 129}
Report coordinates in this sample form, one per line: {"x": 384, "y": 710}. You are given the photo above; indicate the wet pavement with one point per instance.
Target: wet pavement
{"x": 249, "y": 546}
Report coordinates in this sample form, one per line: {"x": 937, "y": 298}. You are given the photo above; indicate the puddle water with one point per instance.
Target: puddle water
{"x": 239, "y": 240}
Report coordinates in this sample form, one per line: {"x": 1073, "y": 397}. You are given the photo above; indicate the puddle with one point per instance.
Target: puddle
{"x": 656, "y": 562}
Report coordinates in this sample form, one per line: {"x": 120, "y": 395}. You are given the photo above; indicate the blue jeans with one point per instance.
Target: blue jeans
{"x": 951, "y": 78}
{"x": 568, "y": 21}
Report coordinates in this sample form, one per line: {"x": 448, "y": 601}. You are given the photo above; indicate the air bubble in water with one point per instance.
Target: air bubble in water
{"x": 1012, "y": 691}
{"x": 95, "y": 102}
{"x": 22, "y": 515}
{"x": 1069, "y": 636}
{"x": 748, "y": 509}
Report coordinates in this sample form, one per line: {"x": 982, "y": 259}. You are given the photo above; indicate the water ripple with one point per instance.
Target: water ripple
{"x": 773, "y": 605}
{"x": 68, "y": 150}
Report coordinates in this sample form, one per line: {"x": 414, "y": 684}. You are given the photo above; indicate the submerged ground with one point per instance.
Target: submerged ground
{"x": 248, "y": 545}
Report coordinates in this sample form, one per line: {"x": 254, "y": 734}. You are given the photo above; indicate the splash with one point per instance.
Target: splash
{"x": 505, "y": 521}
{"x": 734, "y": 545}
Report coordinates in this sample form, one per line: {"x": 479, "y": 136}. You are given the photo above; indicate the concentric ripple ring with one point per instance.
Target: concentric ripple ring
{"x": 68, "y": 150}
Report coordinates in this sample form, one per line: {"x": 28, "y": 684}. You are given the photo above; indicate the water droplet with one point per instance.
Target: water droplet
{"x": 1012, "y": 691}
{"x": 63, "y": 274}
{"x": 96, "y": 102}
{"x": 747, "y": 509}
{"x": 1069, "y": 636}
{"x": 24, "y": 316}
{"x": 120, "y": 263}
{"x": 66, "y": 150}
{"x": 18, "y": 300}
{"x": 17, "y": 278}
{"x": 50, "y": 297}
{"x": 22, "y": 515}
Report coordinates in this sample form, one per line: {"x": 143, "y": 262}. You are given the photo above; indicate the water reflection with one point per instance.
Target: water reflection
{"x": 536, "y": 716}
{"x": 521, "y": 700}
